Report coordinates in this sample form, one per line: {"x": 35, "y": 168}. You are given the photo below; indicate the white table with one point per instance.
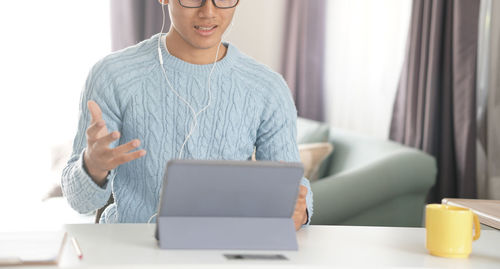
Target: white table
{"x": 133, "y": 246}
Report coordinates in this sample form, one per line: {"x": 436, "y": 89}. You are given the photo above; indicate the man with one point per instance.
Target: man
{"x": 168, "y": 98}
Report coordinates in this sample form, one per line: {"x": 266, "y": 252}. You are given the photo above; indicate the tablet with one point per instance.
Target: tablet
{"x": 233, "y": 191}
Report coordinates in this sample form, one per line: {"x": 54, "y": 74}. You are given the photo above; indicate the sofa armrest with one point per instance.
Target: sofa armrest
{"x": 353, "y": 150}
{"x": 377, "y": 178}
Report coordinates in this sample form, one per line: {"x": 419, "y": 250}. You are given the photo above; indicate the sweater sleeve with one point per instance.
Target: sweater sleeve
{"x": 277, "y": 134}
{"x": 82, "y": 193}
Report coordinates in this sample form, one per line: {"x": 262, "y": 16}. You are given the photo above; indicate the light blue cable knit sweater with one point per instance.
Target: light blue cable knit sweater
{"x": 251, "y": 106}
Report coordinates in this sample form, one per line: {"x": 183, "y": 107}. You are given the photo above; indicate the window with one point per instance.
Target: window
{"x": 366, "y": 42}
{"x": 48, "y": 47}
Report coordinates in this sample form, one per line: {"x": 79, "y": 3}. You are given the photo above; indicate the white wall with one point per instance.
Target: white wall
{"x": 258, "y": 30}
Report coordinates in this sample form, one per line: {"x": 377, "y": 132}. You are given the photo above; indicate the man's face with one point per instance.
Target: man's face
{"x": 201, "y": 28}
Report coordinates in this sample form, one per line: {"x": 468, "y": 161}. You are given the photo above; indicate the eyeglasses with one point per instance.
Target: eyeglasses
{"x": 200, "y": 3}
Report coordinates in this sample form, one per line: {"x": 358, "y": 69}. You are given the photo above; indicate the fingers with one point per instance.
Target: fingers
{"x": 300, "y": 207}
{"x": 107, "y": 139}
{"x": 100, "y": 157}
{"x": 301, "y": 200}
{"x": 95, "y": 111}
{"x": 127, "y": 157}
{"x": 302, "y": 191}
{"x": 299, "y": 215}
{"x": 105, "y": 158}
{"x": 126, "y": 147}
{"x": 94, "y": 129}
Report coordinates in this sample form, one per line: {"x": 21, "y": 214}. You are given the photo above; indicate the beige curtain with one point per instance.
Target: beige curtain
{"x": 488, "y": 102}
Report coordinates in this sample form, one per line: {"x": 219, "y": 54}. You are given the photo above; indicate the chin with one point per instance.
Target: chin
{"x": 204, "y": 42}
{"x": 205, "y": 45}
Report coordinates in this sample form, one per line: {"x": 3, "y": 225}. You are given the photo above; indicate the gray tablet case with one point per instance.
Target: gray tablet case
{"x": 228, "y": 205}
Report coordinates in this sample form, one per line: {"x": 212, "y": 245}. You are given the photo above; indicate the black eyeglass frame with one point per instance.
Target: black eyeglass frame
{"x": 213, "y": 1}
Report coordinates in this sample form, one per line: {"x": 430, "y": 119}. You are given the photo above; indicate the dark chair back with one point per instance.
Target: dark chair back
{"x": 100, "y": 210}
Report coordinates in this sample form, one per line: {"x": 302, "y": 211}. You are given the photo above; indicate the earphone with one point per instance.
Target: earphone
{"x": 195, "y": 114}
{"x": 194, "y": 124}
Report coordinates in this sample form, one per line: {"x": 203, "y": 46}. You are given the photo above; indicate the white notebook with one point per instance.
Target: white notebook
{"x": 33, "y": 247}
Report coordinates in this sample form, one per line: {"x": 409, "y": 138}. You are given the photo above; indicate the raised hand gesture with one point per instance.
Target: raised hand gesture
{"x": 99, "y": 158}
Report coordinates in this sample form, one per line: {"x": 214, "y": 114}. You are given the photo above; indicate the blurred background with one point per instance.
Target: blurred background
{"x": 420, "y": 73}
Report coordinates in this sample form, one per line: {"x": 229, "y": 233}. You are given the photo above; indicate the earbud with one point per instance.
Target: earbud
{"x": 230, "y": 26}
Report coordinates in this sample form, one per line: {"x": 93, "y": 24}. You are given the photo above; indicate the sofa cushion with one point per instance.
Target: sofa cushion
{"x": 312, "y": 156}
{"x": 312, "y": 138}
{"x": 309, "y": 131}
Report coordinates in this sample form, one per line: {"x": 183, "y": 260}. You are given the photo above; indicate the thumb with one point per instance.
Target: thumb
{"x": 95, "y": 111}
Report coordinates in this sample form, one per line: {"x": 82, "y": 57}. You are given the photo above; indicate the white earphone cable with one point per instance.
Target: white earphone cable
{"x": 193, "y": 124}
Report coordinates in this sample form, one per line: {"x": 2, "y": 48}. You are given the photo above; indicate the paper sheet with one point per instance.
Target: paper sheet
{"x": 31, "y": 247}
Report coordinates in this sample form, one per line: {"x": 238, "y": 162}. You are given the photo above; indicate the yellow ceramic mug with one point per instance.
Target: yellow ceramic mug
{"x": 449, "y": 230}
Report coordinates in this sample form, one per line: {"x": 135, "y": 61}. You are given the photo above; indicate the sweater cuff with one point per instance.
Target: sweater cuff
{"x": 85, "y": 191}
{"x": 87, "y": 183}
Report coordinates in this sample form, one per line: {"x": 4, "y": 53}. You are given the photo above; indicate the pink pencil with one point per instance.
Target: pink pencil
{"x": 77, "y": 247}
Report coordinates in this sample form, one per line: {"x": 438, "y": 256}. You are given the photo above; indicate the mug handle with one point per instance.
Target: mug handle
{"x": 477, "y": 227}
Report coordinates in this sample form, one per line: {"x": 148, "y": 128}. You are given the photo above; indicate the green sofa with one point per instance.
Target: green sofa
{"x": 368, "y": 181}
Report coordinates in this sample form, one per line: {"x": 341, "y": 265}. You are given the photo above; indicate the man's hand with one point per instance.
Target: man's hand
{"x": 99, "y": 158}
{"x": 300, "y": 215}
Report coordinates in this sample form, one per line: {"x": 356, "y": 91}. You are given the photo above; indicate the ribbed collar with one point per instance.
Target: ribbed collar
{"x": 172, "y": 62}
